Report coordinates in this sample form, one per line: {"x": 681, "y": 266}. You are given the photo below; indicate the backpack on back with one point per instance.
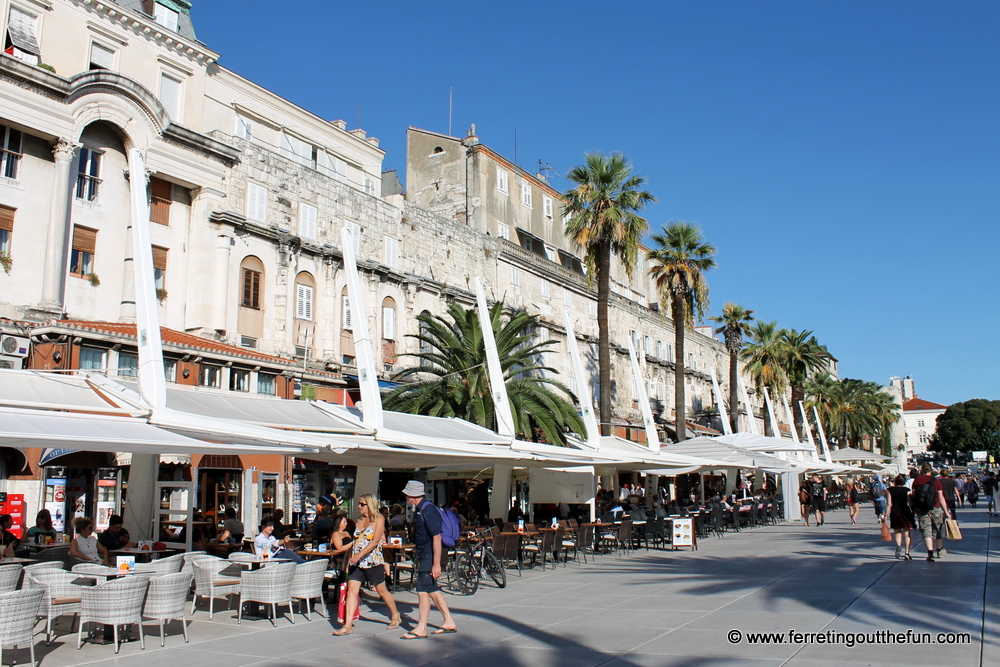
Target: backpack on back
{"x": 924, "y": 497}
{"x": 878, "y": 489}
{"x": 450, "y": 526}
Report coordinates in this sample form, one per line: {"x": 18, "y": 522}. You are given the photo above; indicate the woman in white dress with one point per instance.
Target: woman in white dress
{"x": 85, "y": 546}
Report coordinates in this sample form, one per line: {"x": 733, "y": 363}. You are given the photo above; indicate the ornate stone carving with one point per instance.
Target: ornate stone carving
{"x": 64, "y": 149}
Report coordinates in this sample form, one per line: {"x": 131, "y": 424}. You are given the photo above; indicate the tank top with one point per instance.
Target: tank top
{"x": 87, "y": 546}
{"x": 361, "y": 540}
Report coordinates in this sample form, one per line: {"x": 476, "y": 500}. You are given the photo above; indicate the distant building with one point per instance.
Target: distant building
{"x": 919, "y": 416}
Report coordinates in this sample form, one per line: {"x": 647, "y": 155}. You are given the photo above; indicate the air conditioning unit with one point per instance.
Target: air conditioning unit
{"x": 14, "y": 346}
{"x": 11, "y": 363}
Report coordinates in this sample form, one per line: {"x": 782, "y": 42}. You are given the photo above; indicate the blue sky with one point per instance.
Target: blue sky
{"x": 844, "y": 157}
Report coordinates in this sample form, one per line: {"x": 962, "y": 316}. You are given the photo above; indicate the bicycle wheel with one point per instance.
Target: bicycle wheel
{"x": 493, "y": 568}
{"x": 467, "y": 574}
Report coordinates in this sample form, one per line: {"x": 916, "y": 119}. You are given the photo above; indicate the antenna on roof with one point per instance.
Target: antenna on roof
{"x": 515, "y": 144}
{"x": 451, "y": 108}
{"x": 544, "y": 168}
{"x": 359, "y": 116}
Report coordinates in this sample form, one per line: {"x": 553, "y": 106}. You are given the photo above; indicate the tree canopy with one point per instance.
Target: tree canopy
{"x": 969, "y": 426}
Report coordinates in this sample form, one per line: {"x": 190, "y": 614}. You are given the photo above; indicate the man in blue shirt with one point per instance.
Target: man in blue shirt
{"x": 427, "y": 539}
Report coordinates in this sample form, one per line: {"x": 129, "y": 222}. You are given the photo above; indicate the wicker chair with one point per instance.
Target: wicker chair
{"x": 546, "y": 549}
{"x": 307, "y": 584}
{"x": 507, "y": 547}
{"x": 62, "y": 595}
{"x": 243, "y": 557}
{"x": 114, "y": 603}
{"x": 214, "y": 578}
{"x": 166, "y": 599}
{"x": 10, "y": 576}
{"x": 18, "y": 611}
{"x": 191, "y": 557}
{"x": 157, "y": 567}
{"x": 48, "y": 565}
{"x": 269, "y": 585}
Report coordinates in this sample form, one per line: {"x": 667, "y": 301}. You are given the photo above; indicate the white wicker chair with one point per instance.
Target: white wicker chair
{"x": 62, "y": 595}
{"x": 18, "y": 611}
{"x": 10, "y": 575}
{"x": 165, "y": 566}
{"x": 192, "y": 556}
{"x": 269, "y": 585}
{"x": 308, "y": 584}
{"x": 166, "y": 599}
{"x": 214, "y": 578}
{"x": 117, "y": 602}
{"x": 243, "y": 557}
{"x": 91, "y": 570}
{"x": 48, "y": 565}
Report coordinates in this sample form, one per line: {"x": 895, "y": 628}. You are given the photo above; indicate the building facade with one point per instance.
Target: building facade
{"x": 919, "y": 416}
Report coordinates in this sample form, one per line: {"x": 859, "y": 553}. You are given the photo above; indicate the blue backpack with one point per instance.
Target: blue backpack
{"x": 450, "y": 526}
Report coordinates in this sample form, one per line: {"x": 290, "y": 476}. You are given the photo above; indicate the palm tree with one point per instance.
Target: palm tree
{"x": 735, "y": 321}
{"x": 852, "y": 410}
{"x": 680, "y": 257}
{"x": 764, "y": 359}
{"x": 451, "y": 380}
{"x": 603, "y": 219}
{"x": 802, "y": 357}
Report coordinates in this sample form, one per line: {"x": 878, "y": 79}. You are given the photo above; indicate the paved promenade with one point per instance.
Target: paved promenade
{"x": 652, "y": 608}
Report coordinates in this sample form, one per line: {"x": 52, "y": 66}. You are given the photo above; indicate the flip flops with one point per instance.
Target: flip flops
{"x": 445, "y": 631}
{"x": 409, "y": 636}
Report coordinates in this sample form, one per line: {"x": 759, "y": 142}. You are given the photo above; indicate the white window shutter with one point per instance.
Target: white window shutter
{"x": 546, "y": 290}
{"x": 256, "y": 202}
{"x": 391, "y": 252}
{"x": 389, "y": 323}
{"x": 170, "y": 95}
{"x": 102, "y": 56}
{"x": 347, "y": 314}
{"x": 303, "y": 302}
{"x": 307, "y": 221}
{"x": 547, "y": 206}
{"x": 244, "y": 128}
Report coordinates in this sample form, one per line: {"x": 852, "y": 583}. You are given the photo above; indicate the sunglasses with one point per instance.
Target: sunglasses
{"x": 362, "y": 504}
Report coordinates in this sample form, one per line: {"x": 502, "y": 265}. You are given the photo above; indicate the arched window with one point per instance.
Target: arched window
{"x": 251, "y": 283}
{"x": 305, "y": 288}
{"x": 424, "y": 346}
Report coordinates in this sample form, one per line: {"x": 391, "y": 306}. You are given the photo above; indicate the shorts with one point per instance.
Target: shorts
{"x": 931, "y": 524}
{"x": 373, "y": 576}
{"x": 818, "y": 504}
{"x": 426, "y": 583}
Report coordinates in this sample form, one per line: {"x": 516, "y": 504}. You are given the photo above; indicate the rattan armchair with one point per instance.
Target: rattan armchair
{"x": 268, "y": 585}
{"x": 62, "y": 595}
{"x": 18, "y": 612}
{"x": 166, "y": 600}
{"x": 307, "y": 584}
{"x": 47, "y": 565}
{"x": 10, "y": 576}
{"x": 214, "y": 578}
{"x": 159, "y": 567}
{"x": 114, "y": 603}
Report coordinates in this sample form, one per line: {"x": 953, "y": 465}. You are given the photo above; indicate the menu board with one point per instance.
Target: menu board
{"x": 683, "y": 532}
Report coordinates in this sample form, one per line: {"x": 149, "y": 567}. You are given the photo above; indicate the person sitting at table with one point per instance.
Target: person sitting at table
{"x": 267, "y": 543}
{"x": 9, "y": 539}
{"x": 85, "y": 546}
{"x": 232, "y": 528}
{"x": 42, "y": 527}
{"x": 279, "y": 528}
{"x": 397, "y": 520}
{"x": 115, "y": 537}
{"x": 323, "y": 525}
{"x": 515, "y": 514}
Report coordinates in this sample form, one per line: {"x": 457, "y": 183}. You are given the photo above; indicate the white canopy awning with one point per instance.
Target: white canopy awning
{"x": 852, "y": 454}
{"x": 764, "y": 443}
{"x": 49, "y": 391}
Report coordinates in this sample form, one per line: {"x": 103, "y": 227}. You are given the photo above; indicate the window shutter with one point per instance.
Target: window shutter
{"x": 244, "y": 128}
{"x": 389, "y": 323}
{"x": 307, "y": 221}
{"x": 546, "y": 289}
{"x": 303, "y": 302}
{"x": 159, "y": 258}
{"x": 7, "y": 218}
{"x": 21, "y": 30}
{"x": 101, "y": 56}
{"x": 85, "y": 240}
{"x": 391, "y": 252}
{"x": 256, "y": 202}
{"x": 347, "y": 313}
{"x": 161, "y": 194}
{"x": 356, "y": 233}
{"x": 170, "y": 95}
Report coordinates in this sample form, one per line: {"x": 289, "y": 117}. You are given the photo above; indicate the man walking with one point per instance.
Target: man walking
{"x": 427, "y": 539}
{"x": 930, "y": 509}
{"x": 818, "y": 493}
{"x": 877, "y": 491}
{"x": 990, "y": 491}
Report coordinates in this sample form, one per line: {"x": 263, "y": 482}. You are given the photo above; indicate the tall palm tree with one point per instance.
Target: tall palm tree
{"x": 802, "y": 357}
{"x": 680, "y": 257}
{"x": 764, "y": 361}
{"x": 853, "y": 410}
{"x": 451, "y": 380}
{"x": 735, "y": 321}
{"x": 603, "y": 219}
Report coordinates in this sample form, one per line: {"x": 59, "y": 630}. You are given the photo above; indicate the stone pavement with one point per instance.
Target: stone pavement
{"x": 654, "y": 608}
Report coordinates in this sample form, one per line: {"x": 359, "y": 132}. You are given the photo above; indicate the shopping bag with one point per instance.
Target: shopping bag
{"x": 886, "y": 534}
{"x": 342, "y": 605}
{"x": 951, "y": 530}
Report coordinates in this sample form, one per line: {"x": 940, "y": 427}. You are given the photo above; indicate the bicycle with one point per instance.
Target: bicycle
{"x": 473, "y": 562}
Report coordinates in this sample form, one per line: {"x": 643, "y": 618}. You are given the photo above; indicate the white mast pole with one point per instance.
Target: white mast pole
{"x": 746, "y": 403}
{"x": 770, "y": 413}
{"x": 371, "y": 400}
{"x": 498, "y": 388}
{"x": 808, "y": 430}
{"x": 582, "y": 386}
{"x": 822, "y": 436}
{"x": 717, "y": 392}
{"x": 652, "y": 439}
{"x": 791, "y": 419}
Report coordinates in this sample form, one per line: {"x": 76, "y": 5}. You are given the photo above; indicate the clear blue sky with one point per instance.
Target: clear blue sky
{"x": 844, "y": 157}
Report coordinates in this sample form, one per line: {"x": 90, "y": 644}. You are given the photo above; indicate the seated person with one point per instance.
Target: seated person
{"x": 267, "y": 543}
{"x": 279, "y": 527}
{"x": 115, "y": 537}
{"x": 42, "y": 531}
{"x": 9, "y": 539}
{"x": 232, "y": 528}
{"x": 397, "y": 520}
{"x": 85, "y": 546}
{"x": 323, "y": 525}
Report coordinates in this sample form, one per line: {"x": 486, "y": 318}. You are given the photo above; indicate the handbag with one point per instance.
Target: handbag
{"x": 342, "y": 605}
{"x": 951, "y": 529}
{"x": 886, "y": 534}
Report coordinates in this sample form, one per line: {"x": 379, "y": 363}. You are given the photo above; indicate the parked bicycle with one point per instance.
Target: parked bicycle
{"x": 472, "y": 562}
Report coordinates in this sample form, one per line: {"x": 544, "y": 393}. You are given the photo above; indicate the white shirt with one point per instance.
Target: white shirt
{"x": 87, "y": 546}
{"x": 266, "y": 542}
{"x": 909, "y": 484}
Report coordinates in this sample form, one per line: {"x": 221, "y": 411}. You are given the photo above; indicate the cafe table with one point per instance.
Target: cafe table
{"x": 135, "y": 551}
{"x": 14, "y": 559}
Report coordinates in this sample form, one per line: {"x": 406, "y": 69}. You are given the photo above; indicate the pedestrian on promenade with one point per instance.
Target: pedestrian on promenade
{"x": 960, "y": 488}
{"x": 930, "y": 509}
{"x": 914, "y": 473}
{"x": 817, "y": 498}
{"x": 852, "y": 499}
{"x": 427, "y": 539}
{"x": 877, "y": 491}
{"x": 972, "y": 490}
{"x": 950, "y": 490}
{"x": 901, "y": 518}
{"x": 990, "y": 491}
{"x": 804, "y": 505}
{"x": 366, "y": 565}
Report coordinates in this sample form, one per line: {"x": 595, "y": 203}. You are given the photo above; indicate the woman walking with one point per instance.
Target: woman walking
{"x": 901, "y": 518}
{"x": 367, "y": 565}
{"x": 852, "y": 499}
{"x": 804, "y": 505}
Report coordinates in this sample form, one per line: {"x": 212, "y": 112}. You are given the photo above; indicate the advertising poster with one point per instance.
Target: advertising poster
{"x": 107, "y": 487}
{"x": 55, "y": 502}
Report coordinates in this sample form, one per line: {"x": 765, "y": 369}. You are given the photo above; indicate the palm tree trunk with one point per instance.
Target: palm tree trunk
{"x": 604, "y": 338}
{"x": 734, "y": 401}
{"x": 677, "y": 312}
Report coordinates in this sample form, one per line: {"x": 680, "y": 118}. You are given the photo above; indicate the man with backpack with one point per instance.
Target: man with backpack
{"x": 817, "y": 495}
{"x": 877, "y": 491}
{"x": 930, "y": 509}
{"x": 990, "y": 491}
{"x": 429, "y": 539}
